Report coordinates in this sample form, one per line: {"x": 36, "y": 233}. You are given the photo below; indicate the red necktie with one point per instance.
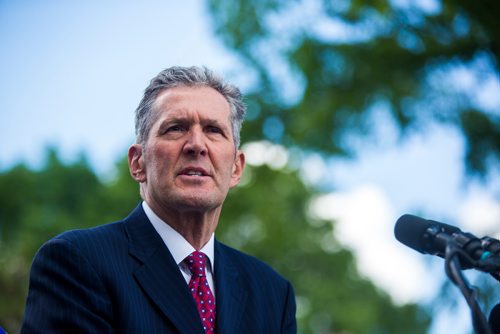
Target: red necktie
{"x": 201, "y": 290}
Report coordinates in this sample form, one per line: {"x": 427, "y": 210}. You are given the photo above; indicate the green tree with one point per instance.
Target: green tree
{"x": 325, "y": 74}
{"x": 266, "y": 216}
{"x": 321, "y": 68}
{"x": 36, "y": 205}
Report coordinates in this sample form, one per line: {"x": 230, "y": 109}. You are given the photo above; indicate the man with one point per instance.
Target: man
{"x": 160, "y": 270}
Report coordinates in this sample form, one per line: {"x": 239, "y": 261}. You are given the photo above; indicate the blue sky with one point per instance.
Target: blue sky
{"x": 73, "y": 72}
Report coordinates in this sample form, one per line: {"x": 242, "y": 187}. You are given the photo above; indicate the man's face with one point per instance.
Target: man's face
{"x": 189, "y": 161}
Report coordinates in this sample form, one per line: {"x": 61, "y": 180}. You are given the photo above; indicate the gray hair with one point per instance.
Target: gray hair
{"x": 191, "y": 77}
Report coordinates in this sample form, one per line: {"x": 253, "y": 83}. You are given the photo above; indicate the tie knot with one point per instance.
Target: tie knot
{"x": 196, "y": 263}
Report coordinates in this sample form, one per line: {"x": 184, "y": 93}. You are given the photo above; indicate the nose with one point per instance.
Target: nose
{"x": 195, "y": 143}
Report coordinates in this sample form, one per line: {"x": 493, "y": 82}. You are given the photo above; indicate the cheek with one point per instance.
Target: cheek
{"x": 224, "y": 161}
{"x": 231, "y": 167}
{"x": 157, "y": 156}
{"x": 157, "y": 159}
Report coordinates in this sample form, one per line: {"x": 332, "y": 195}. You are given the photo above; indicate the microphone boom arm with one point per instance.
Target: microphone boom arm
{"x": 453, "y": 269}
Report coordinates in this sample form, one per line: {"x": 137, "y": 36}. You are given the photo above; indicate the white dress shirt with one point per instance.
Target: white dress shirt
{"x": 180, "y": 248}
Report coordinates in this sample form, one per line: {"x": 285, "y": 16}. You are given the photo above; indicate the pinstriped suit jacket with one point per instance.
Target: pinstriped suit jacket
{"x": 121, "y": 278}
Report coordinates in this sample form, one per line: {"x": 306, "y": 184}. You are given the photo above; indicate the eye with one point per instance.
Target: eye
{"x": 214, "y": 129}
{"x": 174, "y": 128}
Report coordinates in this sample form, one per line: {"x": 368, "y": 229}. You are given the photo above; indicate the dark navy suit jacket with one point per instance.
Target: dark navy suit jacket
{"x": 121, "y": 278}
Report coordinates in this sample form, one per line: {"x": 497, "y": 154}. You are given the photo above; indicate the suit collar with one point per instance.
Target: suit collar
{"x": 159, "y": 275}
{"x": 231, "y": 296}
{"x": 143, "y": 239}
{"x": 178, "y": 246}
{"x": 160, "y": 278}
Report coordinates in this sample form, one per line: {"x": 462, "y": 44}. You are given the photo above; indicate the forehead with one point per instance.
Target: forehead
{"x": 198, "y": 101}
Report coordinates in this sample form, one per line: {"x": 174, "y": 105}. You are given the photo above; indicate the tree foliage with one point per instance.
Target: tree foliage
{"x": 325, "y": 74}
{"x": 266, "y": 216}
{"x": 322, "y": 69}
{"x": 36, "y": 205}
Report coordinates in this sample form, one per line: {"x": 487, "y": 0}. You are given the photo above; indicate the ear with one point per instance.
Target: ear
{"x": 136, "y": 163}
{"x": 238, "y": 166}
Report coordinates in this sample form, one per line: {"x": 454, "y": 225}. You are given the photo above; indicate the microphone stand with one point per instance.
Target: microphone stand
{"x": 453, "y": 268}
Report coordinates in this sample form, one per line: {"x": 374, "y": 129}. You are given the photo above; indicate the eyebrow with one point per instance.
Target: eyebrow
{"x": 186, "y": 120}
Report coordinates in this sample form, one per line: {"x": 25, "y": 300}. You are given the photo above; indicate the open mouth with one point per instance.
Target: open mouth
{"x": 196, "y": 172}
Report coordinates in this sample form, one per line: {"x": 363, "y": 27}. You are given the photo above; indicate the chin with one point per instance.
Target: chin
{"x": 197, "y": 202}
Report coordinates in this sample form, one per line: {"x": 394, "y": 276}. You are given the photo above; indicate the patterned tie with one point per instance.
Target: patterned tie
{"x": 201, "y": 290}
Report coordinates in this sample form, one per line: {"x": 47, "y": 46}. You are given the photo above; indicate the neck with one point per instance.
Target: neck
{"x": 195, "y": 226}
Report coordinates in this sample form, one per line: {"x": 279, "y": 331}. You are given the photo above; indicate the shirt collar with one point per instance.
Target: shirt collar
{"x": 179, "y": 247}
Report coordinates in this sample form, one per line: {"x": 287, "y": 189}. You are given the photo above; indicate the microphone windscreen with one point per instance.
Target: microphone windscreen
{"x": 411, "y": 231}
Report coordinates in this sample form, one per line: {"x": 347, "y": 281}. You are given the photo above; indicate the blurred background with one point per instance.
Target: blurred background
{"x": 358, "y": 112}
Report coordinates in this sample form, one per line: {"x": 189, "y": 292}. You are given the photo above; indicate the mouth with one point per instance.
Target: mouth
{"x": 194, "y": 172}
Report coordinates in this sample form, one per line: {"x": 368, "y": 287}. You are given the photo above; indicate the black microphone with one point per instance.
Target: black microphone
{"x": 432, "y": 237}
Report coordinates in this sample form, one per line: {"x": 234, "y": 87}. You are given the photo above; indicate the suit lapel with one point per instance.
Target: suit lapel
{"x": 159, "y": 276}
{"x": 230, "y": 296}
